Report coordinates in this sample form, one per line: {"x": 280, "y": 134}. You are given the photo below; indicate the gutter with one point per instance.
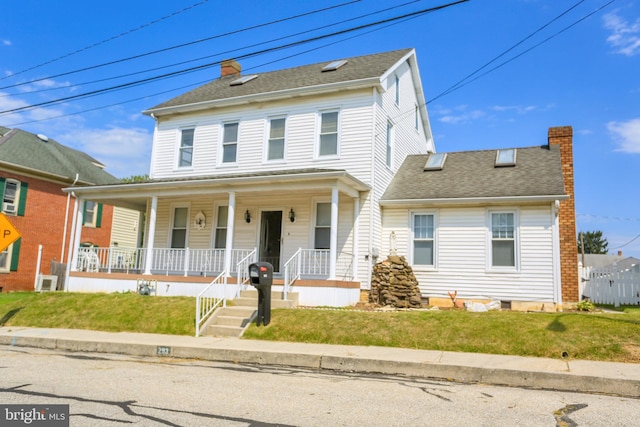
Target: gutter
{"x": 473, "y": 200}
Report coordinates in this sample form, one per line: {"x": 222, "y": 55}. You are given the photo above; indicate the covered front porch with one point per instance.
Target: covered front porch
{"x": 305, "y": 223}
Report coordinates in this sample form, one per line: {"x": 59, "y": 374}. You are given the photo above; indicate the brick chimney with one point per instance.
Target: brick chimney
{"x": 229, "y": 67}
{"x": 563, "y": 137}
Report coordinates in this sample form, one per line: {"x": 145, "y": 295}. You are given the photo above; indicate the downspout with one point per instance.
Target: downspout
{"x": 66, "y": 220}
{"x": 373, "y": 187}
{"x": 557, "y": 277}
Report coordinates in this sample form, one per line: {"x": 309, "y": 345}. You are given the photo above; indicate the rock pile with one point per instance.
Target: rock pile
{"x": 394, "y": 284}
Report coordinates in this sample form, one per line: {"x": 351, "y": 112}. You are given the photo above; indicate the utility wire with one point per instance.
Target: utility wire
{"x": 215, "y": 54}
{"x": 628, "y": 243}
{"x": 245, "y": 56}
{"x": 117, "y": 61}
{"x": 133, "y": 30}
{"x": 460, "y": 85}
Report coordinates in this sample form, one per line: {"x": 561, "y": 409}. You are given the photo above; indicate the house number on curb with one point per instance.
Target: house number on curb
{"x": 163, "y": 351}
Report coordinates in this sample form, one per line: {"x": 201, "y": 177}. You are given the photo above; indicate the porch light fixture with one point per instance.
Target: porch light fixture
{"x": 292, "y": 215}
{"x": 247, "y": 216}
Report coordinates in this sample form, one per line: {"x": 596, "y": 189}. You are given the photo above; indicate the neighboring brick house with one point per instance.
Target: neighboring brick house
{"x": 33, "y": 171}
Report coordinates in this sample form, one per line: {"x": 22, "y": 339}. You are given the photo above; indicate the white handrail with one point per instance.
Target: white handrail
{"x": 291, "y": 272}
{"x": 206, "y": 304}
{"x": 243, "y": 270}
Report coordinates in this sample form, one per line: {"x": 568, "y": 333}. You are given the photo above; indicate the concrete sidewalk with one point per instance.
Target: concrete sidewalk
{"x": 621, "y": 379}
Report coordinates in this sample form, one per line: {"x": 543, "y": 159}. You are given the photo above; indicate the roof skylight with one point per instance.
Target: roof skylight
{"x": 244, "y": 79}
{"x": 332, "y": 66}
{"x": 435, "y": 161}
{"x": 506, "y": 157}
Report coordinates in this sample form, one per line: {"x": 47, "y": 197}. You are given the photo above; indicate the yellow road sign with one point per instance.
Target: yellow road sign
{"x": 8, "y": 233}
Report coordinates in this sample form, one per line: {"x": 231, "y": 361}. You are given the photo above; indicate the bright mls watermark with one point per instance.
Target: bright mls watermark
{"x": 34, "y": 415}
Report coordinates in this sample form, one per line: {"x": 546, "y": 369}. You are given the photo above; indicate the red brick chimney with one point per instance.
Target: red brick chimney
{"x": 229, "y": 67}
{"x": 563, "y": 137}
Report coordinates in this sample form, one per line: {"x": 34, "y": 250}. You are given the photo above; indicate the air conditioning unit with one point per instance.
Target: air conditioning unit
{"x": 9, "y": 208}
{"x": 46, "y": 283}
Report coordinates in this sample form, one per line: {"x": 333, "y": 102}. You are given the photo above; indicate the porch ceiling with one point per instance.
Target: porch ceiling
{"x": 136, "y": 195}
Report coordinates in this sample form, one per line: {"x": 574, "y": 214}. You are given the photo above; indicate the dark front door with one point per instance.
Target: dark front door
{"x": 270, "y": 238}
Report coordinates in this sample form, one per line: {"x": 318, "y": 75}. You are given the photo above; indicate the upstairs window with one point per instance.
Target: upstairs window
{"x": 230, "y": 143}
{"x": 503, "y": 239}
{"x": 185, "y": 155}
{"x": 13, "y": 196}
{"x": 328, "y": 134}
{"x": 275, "y": 144}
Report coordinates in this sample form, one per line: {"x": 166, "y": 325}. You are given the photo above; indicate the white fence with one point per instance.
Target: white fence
{"x": 611, "y": 286}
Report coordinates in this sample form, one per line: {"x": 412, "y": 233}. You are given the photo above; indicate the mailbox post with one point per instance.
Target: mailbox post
{"x": 261, "y": 276}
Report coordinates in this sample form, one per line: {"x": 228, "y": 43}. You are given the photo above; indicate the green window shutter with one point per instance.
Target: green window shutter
{"x": 23, "y": 198}
{"x": 2, "y": 181}
{"x": 15, "y": 255}
{"x": 99, "y": 215}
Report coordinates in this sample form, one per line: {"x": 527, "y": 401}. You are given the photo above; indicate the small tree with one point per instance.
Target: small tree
{"x": 594, "y": 243}
{"x": 135, "y": 178}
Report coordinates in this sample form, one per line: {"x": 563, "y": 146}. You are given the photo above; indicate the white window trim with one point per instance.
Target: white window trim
{"x": 172, "y": 213}
{"x": 424, "y": 267}
{"x": 319, "y": 114}
{"x": 221, "y": 162}
{"x": 267, "y": 138}
{"x": 489, "y": 239}
{"x": 16, "y": 199}
{"x": 7, "y": 268}
{"x": 214, "y": 222}
{"x": 179, "y": 147}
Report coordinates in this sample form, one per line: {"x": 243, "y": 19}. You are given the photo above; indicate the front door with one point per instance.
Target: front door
{"x": 271, "y": 238}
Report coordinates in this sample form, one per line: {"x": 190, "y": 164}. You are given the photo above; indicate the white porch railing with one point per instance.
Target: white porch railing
{"x": 242, "y": 268}
{"x": 314, "y": 263}
{"x": 113, "y": 259}
{"x": 207, "y": 301}
{"x": 610, "y": 286}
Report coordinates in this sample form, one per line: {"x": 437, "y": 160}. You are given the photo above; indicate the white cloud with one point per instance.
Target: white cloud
{"x": 6, "y": 42}
{"x": 626, "y": 134}
{"x": 625, "y": 36}
{"x": 458, "y": 115}
{"x": 124, "y": 151}
{"x": 520, "y": 109}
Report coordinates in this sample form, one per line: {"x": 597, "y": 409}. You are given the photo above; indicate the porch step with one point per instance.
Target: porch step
{"x": 277, "y": 298}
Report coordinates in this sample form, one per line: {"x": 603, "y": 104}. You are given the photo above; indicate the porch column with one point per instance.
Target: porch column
{"x": 151, "y": 235}
{"x": 230, "y": 230}
{"x": 356, "y": 236}
{"x": 333, "y": 239}
{"x": 77, "y": 230}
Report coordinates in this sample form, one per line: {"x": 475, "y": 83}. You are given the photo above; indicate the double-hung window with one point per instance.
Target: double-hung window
{"x": 322, "y": 237}
{"x": 328, "y": 144}
{"x": 13, "y": 196}
{"x": 185, "y": 154}
{"x": 503, "y": 239}
{"x": 221, "y": 227}
{"x": 179, "y": 227}
{"x": 230, "y": 142}
{"x": 5, "y": 259}
{"x": 92, "y": 214}
{"x": 423, "y": 239}
{"x": 276, "y": 143}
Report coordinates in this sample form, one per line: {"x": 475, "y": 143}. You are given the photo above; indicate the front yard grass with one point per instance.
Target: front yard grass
{"x": 590, "y": 336}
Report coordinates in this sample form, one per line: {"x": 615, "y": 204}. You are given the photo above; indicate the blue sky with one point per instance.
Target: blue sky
{"x": 557, "y": 63}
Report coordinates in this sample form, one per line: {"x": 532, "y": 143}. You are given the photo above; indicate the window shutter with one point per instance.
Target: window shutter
{"x": 99, "y": 216}
{"x": 15, "y": 254}
{"x": 23, "y": 198}
{"x": 2, "y": 181}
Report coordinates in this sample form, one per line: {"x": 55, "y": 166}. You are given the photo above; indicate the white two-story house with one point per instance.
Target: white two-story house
{"x": 286, "y": 167}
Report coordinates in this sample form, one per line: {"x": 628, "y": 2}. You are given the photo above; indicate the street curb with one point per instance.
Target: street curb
{"x": 435, "y": 369}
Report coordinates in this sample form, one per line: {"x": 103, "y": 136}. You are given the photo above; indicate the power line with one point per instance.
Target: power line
{"x": 133, "y": 30}
{"x": 117, "y": 61}
{"x": 628, "y": 243}
{"x": 245, "y": 56}
{"x": 460, "y": 84}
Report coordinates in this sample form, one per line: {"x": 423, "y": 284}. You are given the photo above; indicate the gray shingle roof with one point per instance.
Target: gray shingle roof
{"x": 472, "y": 174}
{"x": 307, "y": 76}
{"x": 26, "y": 150}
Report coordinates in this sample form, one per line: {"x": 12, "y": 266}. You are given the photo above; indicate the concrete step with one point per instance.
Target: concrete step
{"x": 224, "y": 331}
{"x": 276, "y": 298}
{"x": 232, "y": 321}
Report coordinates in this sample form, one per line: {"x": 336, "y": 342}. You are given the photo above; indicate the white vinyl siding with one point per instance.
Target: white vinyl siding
{"x": 463, "y": 254}
{"x": 125, "y": 227}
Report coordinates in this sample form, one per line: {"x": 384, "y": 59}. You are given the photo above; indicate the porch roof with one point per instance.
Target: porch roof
{"x": 135, "y": 195}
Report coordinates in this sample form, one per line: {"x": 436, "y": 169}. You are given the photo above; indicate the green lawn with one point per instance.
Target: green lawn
{"x": 591, "y": 336}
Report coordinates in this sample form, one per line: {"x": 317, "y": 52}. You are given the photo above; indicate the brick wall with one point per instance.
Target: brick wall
{"x": 563, "y": 137}
{"x": 43, "y": 224}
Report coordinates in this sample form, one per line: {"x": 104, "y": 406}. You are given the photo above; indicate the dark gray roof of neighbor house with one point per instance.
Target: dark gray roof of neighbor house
{"x": 307, "y": 76}
{"x": 473, "y": 174}
{"x": 21, "y": 149}
{"x": 624, "y": 264}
